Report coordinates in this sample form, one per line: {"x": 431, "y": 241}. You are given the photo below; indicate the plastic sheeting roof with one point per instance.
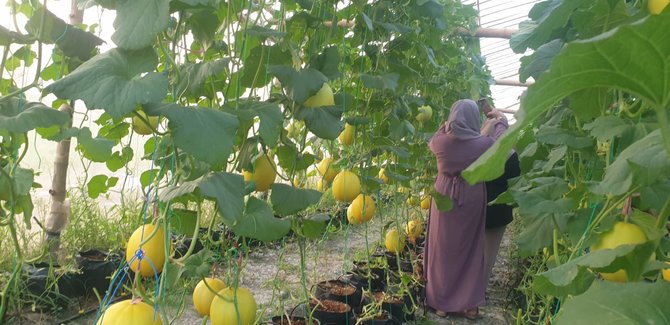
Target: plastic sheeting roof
{"x": 501, "y": 60}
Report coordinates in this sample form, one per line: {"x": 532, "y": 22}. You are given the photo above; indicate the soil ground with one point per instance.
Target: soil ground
{"x": 272, "y": 274}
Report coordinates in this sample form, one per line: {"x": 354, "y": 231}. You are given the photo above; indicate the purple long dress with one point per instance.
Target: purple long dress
{"x": 454, "y": 254}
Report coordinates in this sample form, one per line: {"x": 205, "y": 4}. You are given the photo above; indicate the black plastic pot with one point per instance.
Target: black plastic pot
{"x": 97, "y": 267}
{"x": 215, "y": 234}
{"x": 363, "y": 281}
{"x": 361, "y": 267}
{"x": 400, "y": 311}
{"x": 332, "y": 290}
{"x": 331, "y": 312}
{"x": 57, "y": 287}
{"x": 293, "y": 320}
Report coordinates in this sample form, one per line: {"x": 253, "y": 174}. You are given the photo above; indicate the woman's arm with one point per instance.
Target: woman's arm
{"x": 495, "y": 125}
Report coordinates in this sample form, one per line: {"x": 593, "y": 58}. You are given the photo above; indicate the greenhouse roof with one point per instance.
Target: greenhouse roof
{"x": 501, "y": 60}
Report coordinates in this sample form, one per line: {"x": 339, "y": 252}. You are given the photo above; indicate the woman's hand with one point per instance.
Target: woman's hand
{"x": 496, "y": 114}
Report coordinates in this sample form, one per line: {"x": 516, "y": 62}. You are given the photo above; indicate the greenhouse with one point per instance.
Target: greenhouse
{"x": 334, "y": 162}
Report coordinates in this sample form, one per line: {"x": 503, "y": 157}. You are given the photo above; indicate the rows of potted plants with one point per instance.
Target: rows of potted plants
{"x": 384, "y": 289}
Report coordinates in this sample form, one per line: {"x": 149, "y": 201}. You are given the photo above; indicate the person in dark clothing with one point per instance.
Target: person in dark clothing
{"x": 498, "y": 216}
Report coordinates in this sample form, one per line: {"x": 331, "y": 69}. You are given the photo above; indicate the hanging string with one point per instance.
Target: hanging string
{"x": 139, "y": 255}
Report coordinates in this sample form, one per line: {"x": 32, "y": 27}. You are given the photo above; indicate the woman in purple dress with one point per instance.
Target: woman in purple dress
{"x": 454, "y": 255}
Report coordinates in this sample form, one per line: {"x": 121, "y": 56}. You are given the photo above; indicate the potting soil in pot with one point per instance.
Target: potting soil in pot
{"x": 331, "y": 312}
{"x": 339, "y": 291}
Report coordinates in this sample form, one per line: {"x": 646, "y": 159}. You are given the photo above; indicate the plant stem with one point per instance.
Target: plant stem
{"x": 609, "y": 206}
{"x": 555, "y": 246}
{"x": 303, "y": 275}
{"x": 194, "y": 238}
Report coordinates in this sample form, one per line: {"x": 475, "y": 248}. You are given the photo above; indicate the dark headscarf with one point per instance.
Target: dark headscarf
{"x": 463, "y": 122}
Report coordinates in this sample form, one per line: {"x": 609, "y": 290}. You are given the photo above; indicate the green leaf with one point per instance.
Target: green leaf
{"x": 571, "y": 278}
{"x": 114, "y": 130}
{"x": 554, "y": 156}
{"x": 259, "y": 222}
{"x": 8, "y": 37}
{"x": 537, "y": 63}
{"x": 305, "y": 4}
{"x": 589, "y": 103}
{"x": 138, "y": 22}
{"x": 430, "y": 9}
{"x": 323, "y": 121}
{"x": 607, "y": 127}
{"x": 183, "y": 221}
{"x": 119, "y": 159}
{"x": 644, "y": 163}
{"x": 314, "y": 226}
{"x": 20, "y": 117}
{"x": 270, "y": 116}
{"x": 193, "y": 76}
{"x": 116, "y": 81}
{"x": 327, "y": 62}
{"x": 147, "y": 177}
{"x": 73, "y": 41}
{"x": 263, "y": 32}
{"x": 542, "y": 207}
{"x": 204, "y": 23}
{"x": 299, "y": 24}
{"x": 618, "y": 304}
{"x": 554, "y": 16}
{"x": 603, "y": 61}
{"x": 21, "y": 178}
{"x": 400, "y": 152}
{"x": 558, "y": 136}
{"x": 24, "y": 56}
{"x": 290, "y": 159}
{"x": 387, "y": 81}
{"x": 228, "y": 191}
{"x": 254, "y": 72}
{"x": 94, "y": 149}
{"x": 571, "y": 282}
{"x": 99, "y": 184}
{"x": 199, "y": 265}
{"x": 443, "y": 202}
{"x": 172, "y": 274}
{"x": 395, "y": 28}
{"x": 225, "y": 188}
{"x": 653, "y": 197}
{"x": 287, "y": 200}
{"x": 25, "y": 206}
{"x": 205, "y": 133}
{"x": 299, "y": 85}
{"x": 602, "y": 16}
{"x": 368, "y": 22}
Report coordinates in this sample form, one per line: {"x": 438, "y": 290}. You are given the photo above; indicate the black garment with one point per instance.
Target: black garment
{"x": 499, "y": 215}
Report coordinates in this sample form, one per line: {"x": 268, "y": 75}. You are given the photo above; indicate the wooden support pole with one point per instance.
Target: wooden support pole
{"x": 60, "y": 207}
{"x": 508, "y": 82}
{"x": 505, "y": 110}
{"x": 483, "y": 32}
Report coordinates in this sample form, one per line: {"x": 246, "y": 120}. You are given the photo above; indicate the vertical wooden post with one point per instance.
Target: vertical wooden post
{"x": 60, "y": 207}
